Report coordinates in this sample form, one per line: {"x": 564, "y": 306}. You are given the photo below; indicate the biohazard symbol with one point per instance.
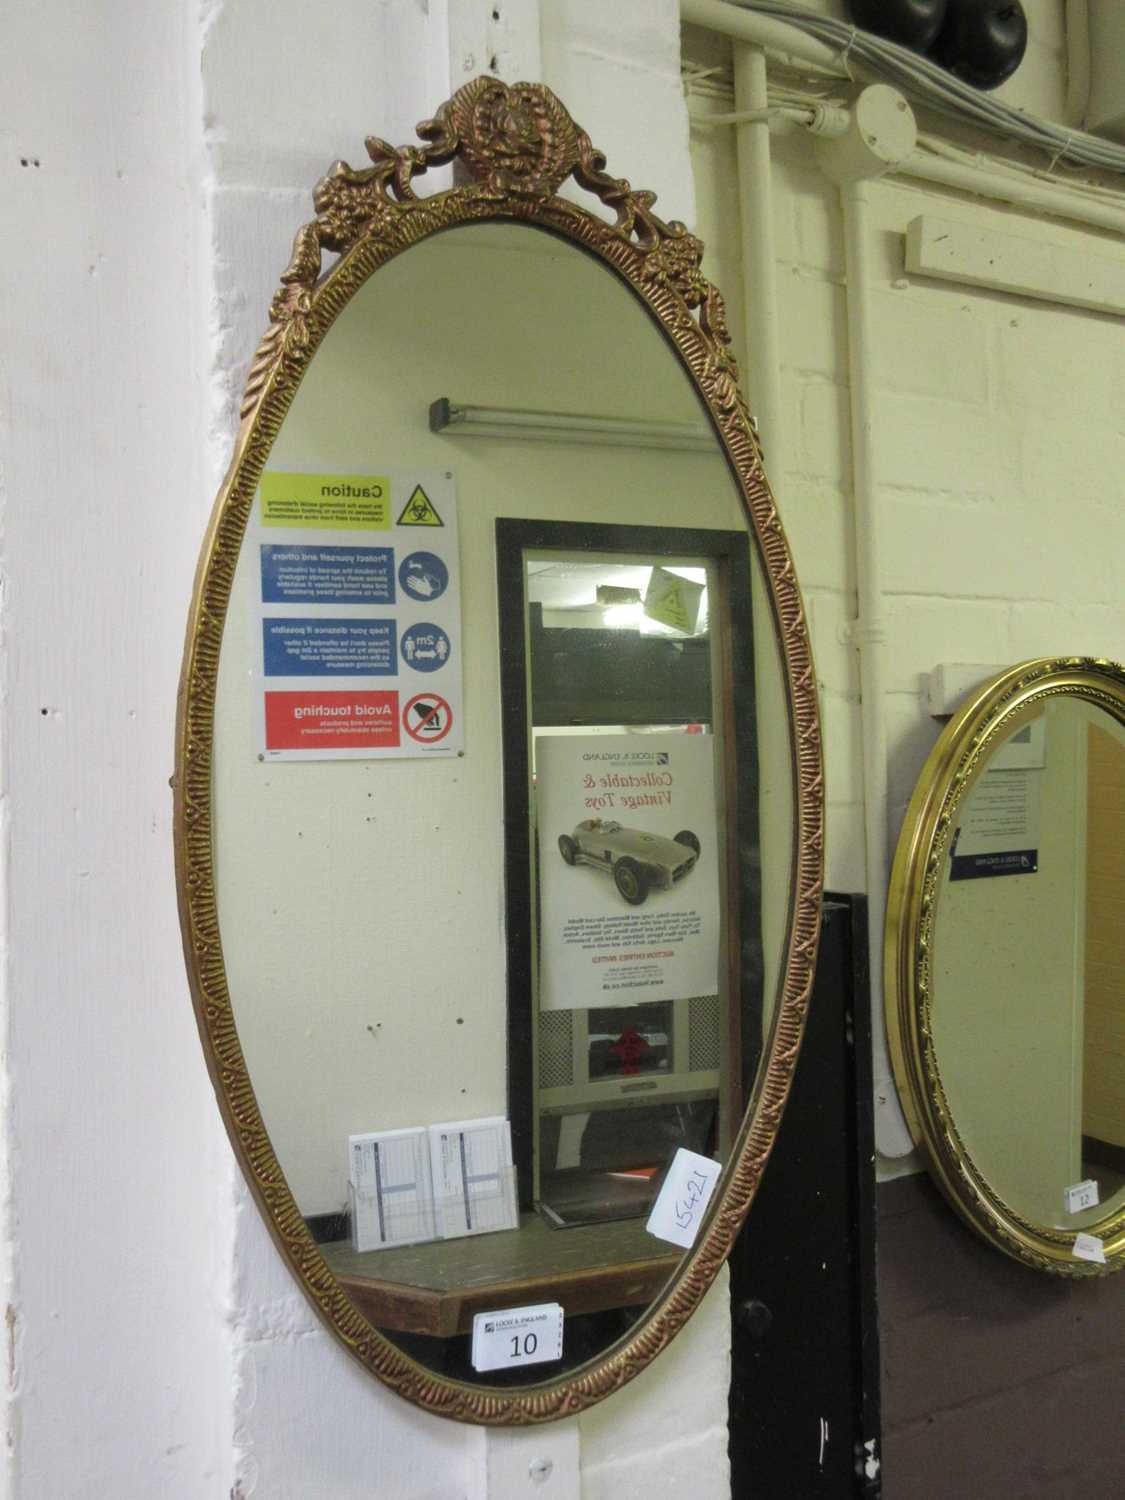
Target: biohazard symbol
{"x": 667, "y": 604}
{"x": 672, "y": 607}
{"x": 419, "y": 510}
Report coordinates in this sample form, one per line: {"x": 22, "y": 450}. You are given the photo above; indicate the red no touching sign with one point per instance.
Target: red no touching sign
{"x": 331, "y": 720}
{"x": 427, "y": 718}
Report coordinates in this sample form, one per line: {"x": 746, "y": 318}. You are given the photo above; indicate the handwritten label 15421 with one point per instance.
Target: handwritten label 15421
{"x": 682, "y": 1201}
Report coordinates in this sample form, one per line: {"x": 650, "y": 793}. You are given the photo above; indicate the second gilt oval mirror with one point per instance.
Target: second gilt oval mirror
{"x": 498, "y": 800}
{"x": 1005, "y": 980}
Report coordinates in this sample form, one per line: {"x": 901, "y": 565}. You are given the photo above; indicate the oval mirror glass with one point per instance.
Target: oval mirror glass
{"x": 488, "y": 750}
{"x": 1005, "y": 951}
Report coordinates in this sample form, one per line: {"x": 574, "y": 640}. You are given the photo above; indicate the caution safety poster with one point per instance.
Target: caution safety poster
{"x": 357, "y": 615}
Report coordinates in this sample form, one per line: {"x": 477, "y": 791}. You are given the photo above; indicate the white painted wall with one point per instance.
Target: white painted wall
{"x": 118, "y": 1218}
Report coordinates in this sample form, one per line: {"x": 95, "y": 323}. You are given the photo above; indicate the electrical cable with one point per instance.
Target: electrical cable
{"x": 932, "y": 85}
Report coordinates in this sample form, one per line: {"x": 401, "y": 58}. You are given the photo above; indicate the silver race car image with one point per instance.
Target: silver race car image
{"x": 639, "y": 862}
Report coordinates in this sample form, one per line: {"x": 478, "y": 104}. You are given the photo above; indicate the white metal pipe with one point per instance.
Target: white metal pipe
{"x": 763, "y": 380}
{"x": 1042, "y": 197}
{"x": 1077, "y": 62}
{"x": 817, "y": 118}
{"x": 756, "y": 116}
{"x": 868, "y": 635}
{"x": 759, "y": 31}
{"x": 759, "y": 269}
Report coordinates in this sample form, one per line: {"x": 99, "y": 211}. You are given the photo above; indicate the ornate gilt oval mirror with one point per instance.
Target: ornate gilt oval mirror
{"x": 1005, "y": 964}
{"x": 498, "y": 797}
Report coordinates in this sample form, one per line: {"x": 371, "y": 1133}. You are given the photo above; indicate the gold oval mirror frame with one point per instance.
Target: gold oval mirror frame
{"x": 1002, "y": 1000}
{"x": 516, "y": 146}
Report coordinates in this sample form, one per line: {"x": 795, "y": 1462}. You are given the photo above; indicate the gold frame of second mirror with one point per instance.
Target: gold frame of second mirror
{"x": 954, "y": 765}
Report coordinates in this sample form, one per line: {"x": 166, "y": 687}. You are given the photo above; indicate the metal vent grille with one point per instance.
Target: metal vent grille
{"x": 703, "y": 1033}
{"x": 556, "y": 1057}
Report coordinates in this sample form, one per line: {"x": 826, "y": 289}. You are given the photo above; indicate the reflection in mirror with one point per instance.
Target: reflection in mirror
{"x": 1029, "y": 1013}
{"x": 637, "y": 713}
{"x": 364, "y": 939}
{"x": 1012, "y": 1051}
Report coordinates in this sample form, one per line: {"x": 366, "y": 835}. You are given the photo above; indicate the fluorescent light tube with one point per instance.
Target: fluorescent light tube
{"x": 457, "y": 419}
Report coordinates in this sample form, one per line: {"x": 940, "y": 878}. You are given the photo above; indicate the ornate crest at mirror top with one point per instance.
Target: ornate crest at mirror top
{"x": 367, "y": 935}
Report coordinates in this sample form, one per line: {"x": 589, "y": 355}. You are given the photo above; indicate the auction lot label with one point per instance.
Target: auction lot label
{"x": 357, "y": 615}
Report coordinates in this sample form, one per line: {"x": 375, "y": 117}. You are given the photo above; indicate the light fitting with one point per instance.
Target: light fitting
{"x": 457, "y": 418}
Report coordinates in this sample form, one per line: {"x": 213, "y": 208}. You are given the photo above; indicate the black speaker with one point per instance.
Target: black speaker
{"x": 911, "y": 23}
{"x": 982, "y": 41}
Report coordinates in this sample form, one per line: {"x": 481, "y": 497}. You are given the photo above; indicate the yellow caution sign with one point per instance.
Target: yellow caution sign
{"x": 419, "y": 510}
{"x": 673, "y": 600}
{"x": 326, "y": 502}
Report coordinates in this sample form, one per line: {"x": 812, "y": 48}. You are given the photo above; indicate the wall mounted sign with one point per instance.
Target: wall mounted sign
{"x": 1004, "y": 996}
{"x": 358, "y": 615}
{"x": 999, "y": 829}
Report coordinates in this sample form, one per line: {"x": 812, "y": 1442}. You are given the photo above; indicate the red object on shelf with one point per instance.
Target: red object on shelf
{"x": 630, "y": 1047}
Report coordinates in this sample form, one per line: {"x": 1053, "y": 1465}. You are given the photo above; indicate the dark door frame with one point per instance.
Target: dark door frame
{"x": 804, "y": 1401}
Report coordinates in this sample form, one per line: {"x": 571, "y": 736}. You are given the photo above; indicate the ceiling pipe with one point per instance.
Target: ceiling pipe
{"x": 760, "y": 31}
{"x": 1041, "y": 198}
{"x": 882, "y": 136}
{"x": 1077, "y": 62}
{"x": 762, "y": 338}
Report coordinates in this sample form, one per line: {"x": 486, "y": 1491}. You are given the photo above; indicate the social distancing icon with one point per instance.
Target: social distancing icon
{"x": 419, "y": 510}
{"x": 425, "y": 647}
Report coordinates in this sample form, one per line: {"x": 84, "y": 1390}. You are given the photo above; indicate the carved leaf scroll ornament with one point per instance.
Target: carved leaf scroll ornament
{"x": 513, "y": 141}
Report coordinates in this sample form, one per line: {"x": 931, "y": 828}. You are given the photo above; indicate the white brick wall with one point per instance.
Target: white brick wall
{"x": 999, "y": 444}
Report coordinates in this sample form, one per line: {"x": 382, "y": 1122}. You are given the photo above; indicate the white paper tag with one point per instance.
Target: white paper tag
{"x": 682, "y": 1201}
{"x": 392, "y": 1196}
{"x": 1081, "y": 1196}
{"x": 517, "y": 1336}
{"x": 474, "y": 1182}
{"x": 1089, "y": 1247}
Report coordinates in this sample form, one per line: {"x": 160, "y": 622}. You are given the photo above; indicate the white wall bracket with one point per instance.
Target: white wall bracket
{"x": 524, "y": 1463}
{"x": 973, "y": 255}
{"x": 950, "y": 683}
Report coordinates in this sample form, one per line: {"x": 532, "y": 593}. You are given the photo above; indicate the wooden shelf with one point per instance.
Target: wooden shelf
{"x": 436, "y": 1288}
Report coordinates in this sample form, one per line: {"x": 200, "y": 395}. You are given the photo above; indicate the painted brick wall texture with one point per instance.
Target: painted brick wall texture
{"x": 999, "y": 425}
